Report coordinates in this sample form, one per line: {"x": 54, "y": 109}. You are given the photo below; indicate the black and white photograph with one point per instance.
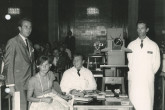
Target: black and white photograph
{"x": 82, "y": 54}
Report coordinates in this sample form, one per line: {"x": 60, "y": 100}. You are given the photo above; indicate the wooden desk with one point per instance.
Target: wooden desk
{"x": 104, "y": 106}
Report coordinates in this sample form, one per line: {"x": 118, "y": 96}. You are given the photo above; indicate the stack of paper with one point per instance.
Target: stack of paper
{"x": 122, "y": 101}
{"x": 109, "y": 93}
{"x": 101, "y": 97}
{"x": 123, "y": 95}
{"x": 113, "y": 99}
{"x": 82, "y": 98}
{"x": 91, "y": 95}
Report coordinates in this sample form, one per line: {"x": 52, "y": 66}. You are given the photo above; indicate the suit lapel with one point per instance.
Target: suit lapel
{"x": 20, "y": 40}
{"x": 31, "y": 50}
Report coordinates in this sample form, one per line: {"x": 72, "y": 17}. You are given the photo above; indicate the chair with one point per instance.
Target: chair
{"x": 113, "y": 80}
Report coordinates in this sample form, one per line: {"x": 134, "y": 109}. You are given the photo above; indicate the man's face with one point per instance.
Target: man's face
{"x": 78, "y": 62}
{"x": 142, "y": 30}
{"x": 56, "y": 53}
{"x": 26, "y": 28}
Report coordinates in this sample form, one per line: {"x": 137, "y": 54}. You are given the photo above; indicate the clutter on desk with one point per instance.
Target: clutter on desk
{"x": 120, "y": 101}
{"x": 82, "y": 98}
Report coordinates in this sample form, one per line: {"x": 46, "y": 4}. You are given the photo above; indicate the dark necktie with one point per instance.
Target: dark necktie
{"x": 141, "y": 45}
{"x": 78, "y": 72}
{"x": 27, "y": 44}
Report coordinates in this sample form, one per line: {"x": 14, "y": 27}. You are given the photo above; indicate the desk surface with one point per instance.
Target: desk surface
{"x": 96, "y": 55}
{"x": 103, "y": 104}
{"x": 111, "y": 66}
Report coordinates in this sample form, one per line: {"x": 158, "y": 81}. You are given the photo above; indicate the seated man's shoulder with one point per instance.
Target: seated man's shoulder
{"x": 69, "y": 70}
{"x": 86, "y": 70}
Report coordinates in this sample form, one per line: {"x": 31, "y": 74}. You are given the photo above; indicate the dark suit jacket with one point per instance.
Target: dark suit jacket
{"x": 19, "y": 64}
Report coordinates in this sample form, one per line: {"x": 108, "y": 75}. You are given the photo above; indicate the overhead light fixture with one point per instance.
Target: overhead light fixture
{"x": 14, "y": 11}
{"x": 92, "y": 11}
{"x": 7, "y": 17}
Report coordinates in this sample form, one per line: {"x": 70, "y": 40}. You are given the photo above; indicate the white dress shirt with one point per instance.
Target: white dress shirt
{"x": 71, "y": 80}
{"x": 23, "y": 38}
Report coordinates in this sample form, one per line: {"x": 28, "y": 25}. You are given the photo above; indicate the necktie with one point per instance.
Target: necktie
{"x": 141, "y": 45}
{"x": 27, "y": 44}
{"x": 78, "y": 72}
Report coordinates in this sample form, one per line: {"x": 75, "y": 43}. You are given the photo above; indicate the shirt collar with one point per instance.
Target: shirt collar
{"x": 22, "y": 37}
{"x": 76, "y": 68}
{"x": 146, "y": 38}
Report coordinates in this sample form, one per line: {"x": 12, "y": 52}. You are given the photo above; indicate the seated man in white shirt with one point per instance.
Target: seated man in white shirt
{"x": 77, "y": 79}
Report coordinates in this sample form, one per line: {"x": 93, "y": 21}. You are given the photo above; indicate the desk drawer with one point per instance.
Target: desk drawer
{"x": 113, "y": 80}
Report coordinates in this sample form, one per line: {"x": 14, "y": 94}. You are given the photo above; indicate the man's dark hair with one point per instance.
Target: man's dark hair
{"x": 22, "y": 20}
{"x": 79, "y": 54}
{"x": 142, "y": 21}
{"x": 69, "y": 33}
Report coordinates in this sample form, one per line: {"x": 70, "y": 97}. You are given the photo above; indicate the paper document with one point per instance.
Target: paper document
{"x": 82, "y": 99}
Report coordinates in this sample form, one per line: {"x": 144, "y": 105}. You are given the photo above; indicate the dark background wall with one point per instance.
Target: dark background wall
{"x": 146, "y": 12}
{"x": 8, "y": 27}
{"x": 36, "y": 10}
{"x": 88, "y": 28}
{"x": 72, "y": 15}
{"x": 40, "y": 20}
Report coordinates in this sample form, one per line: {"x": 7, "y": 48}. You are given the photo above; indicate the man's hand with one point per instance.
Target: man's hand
{"x": 47, "y": 99}
{"x": 67, "y": 97}
{"x": 73, "y": 91}
{"x": 77, "y": 93}
{"x": 12, "y": 90}
{"x": 2, "y": 77}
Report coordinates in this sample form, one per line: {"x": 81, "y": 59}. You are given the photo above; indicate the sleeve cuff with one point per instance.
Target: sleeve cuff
{"x": 9, "y": 85}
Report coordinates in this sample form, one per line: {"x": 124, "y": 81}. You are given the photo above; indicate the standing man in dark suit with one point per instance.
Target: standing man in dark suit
{"x": 70, "y": 42}
{"x": 19, "y": 63}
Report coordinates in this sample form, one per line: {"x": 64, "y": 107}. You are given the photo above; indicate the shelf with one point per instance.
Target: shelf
{"x": 112, "y": 66}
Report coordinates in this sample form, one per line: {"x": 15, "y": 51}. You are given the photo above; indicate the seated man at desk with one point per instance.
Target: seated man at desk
{"x": 77, "y": 79}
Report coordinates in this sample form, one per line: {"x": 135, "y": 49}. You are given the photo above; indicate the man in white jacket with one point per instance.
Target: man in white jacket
{"x": 77, "y": 79}
{"x": 143, "y": 63}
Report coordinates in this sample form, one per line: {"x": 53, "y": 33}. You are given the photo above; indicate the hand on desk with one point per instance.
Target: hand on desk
{"x": 66, "y": 97}
{"x": 77, "y": 93}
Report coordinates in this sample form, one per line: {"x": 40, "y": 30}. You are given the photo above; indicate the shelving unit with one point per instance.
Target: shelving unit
{"x": 94, "y": 61}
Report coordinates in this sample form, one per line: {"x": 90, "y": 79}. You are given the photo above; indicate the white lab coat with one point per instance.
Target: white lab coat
{"x": 143, "y": 63}
{"x": 71, "y": 80}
